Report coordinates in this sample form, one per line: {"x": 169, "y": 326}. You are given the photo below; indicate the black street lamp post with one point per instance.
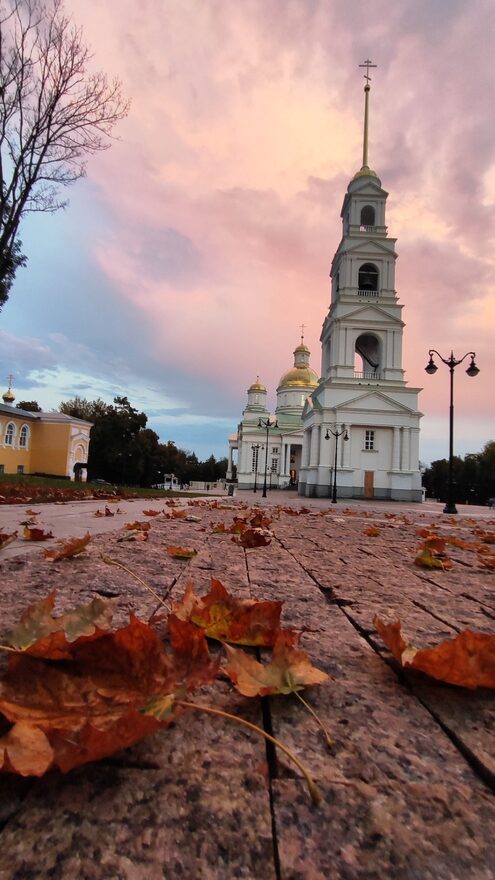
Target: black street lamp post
{"x": 336, "y": 434}
{"x": 266, "y": 424}
{"x": 472, "y": 371}
{"x": 256, "y": 448}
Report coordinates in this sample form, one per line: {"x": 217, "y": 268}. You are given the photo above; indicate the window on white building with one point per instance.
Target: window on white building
{"x": 10, "y": 434}
{"x": 254, "y": 460}
{"x": 274, "y": 465}
{"x": 369, "y": 440}
{"x": 275, "y": 449}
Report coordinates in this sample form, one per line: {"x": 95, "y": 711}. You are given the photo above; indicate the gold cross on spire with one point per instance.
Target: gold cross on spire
{"x": 303, "y": 327}
{"x": 367, "y": 64}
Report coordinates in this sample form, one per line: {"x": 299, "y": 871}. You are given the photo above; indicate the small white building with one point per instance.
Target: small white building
{"x": 281, "y": 455}
{"x": 362, "y": 397}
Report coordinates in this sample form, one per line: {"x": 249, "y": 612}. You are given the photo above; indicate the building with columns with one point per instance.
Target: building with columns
{"x": 283, "y": 452}
{"x": 362, "y": 397}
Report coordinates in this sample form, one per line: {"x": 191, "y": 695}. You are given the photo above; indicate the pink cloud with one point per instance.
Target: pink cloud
{"x": 224, "y": 193}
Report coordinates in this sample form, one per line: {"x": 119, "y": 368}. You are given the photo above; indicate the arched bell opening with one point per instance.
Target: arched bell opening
{"x": 368, "y": 216}
{"x": 368, "y": 357}
{"x": 368, "y": 279}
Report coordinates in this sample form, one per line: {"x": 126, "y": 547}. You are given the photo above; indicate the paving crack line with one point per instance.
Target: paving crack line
{"x": 480, "y": 771}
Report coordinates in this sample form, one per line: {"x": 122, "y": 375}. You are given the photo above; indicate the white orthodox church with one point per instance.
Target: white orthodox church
{"x": 280, "y": 458}
{"x": 355, "y": 430}
{"x": 362, "y": 417}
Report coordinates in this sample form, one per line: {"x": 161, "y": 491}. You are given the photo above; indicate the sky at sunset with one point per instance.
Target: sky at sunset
{"x": 196, "y": 246}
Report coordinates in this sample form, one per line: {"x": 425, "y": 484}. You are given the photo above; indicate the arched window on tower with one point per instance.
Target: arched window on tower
{"x": 368, "y": 357}
{"x": 368, "y": 215}
{"x": 368, "y": 280}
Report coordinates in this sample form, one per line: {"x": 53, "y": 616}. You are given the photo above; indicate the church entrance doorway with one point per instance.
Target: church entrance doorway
{"x": 369, "y": 484}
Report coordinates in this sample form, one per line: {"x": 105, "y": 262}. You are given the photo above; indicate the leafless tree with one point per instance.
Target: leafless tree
{"x": 55, "y": 111}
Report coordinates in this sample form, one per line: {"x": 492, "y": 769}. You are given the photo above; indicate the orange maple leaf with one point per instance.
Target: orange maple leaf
{"x": 290, "y": 670}
{"x": 152, "y": 512}
{"x": 372, "y": 532}
{"x": 223, "y": 617}
{"x": 467, "y": 660}
{"x": 67, "y": 714}
{"x": 33, "y": 534}
{"x": 68, "y": 549}
{"x": 41, "y": 634}
{"x": 181, "y": 552}
{"x": 253, "y": 538}
{"x": 138, "y": 526}
{"x": 426, "y": 558}
{"x": 7, "y": 538}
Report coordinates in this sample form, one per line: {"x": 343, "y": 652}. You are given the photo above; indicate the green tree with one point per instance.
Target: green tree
{"x": 80, "y": 408}
{"x": 55, "y": 111}
{"x": 29, "y": 405}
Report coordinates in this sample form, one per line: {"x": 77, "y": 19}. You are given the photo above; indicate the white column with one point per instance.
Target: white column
{"x": 305, "y": 448}
{"x": 315, "y": 442}
{"x": 324, "y": 449}
{"x": 346, "y": 448}
{"x": 283, "y": 452}
{"x": 396, "y": 450}
{"x": 229, "y": 465}
{"x": 405, "y": 465}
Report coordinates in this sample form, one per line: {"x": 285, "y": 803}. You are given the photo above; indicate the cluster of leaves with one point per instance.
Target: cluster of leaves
{"x": 251, "y": 530}
{"x": 432, "y": 552}
{"x": 77, "y": 690}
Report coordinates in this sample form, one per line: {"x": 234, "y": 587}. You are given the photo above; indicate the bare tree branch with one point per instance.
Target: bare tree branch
{"x": 54, "y": 113}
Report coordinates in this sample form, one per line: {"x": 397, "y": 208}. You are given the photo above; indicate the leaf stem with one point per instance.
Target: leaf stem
{"x": 133, "y": 574}
{"x": 315, "y": 794}
{"x": 328, "y": 738}
{"x": 7, "y": 648}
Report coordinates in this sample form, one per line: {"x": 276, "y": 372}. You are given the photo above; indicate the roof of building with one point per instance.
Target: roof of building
{"x": 15, "y": 412}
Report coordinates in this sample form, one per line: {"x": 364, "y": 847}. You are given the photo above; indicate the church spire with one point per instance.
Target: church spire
{"x": 365, "y": 169}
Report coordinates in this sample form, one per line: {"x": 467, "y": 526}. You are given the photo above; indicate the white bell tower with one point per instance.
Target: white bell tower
{"x": 363, "y": 393}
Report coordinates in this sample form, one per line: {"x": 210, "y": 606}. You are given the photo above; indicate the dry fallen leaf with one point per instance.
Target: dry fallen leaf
{"x": 7, "y": 538}
{"x": 68, "y": 549}
{"x": 69, "y": 713}
{"x": 181, "y": 552}
{"x": 223, "y": 617}
{"x": 290, "y": 670}
{"x": 428, "y": 558}
{"x": 138, "y": 526}
{"x": 467, "y": 660}
{"x": 41, "y": 634}
{"x": 152, "y": 512}
{"x": 250, "y": 538}
{"x": 33, "y": 534}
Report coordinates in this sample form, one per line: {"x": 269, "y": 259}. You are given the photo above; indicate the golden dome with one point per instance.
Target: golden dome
{"x": 256, "y": 386}
{"x": 303, "y": 377}
{"x": 303, "y": 348}
{"x": 365, "y": 171}
{"x": 8, "y": 397}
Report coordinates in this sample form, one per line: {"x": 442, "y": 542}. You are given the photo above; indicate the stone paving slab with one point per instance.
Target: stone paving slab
{"x": 408, "y": 790}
